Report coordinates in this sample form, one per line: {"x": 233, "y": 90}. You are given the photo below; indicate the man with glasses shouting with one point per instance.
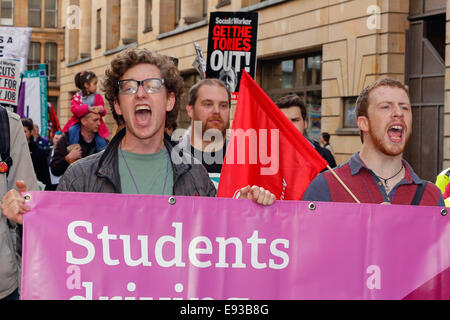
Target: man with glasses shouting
{"x": 143, "y": 89}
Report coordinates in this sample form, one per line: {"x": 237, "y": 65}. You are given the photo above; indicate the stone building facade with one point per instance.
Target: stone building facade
{"x": 47, "y": 38}
{"x": 327, "y": 51}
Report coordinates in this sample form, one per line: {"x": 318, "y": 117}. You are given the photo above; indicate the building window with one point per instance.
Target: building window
{"x": 349, "y": 112}
{"x": 301, "y": 75}
{"x": 51, "y": 55}
{"x": 7, "y": 13}
{"x": 34, "y": 56}
{"x": 177, "y": 12}
{"x": 34, "y": 13}
{"x": 51, "y": 13}
{"x": 98, "y": 36}
{"x": 148, "y": 15}
{"x": 112, "y": 24}
{"x": 205, "y": 8}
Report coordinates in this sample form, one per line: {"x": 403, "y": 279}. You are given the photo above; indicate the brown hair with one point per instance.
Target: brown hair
{"x": 28, "y": 122}
{"x": 132, "y": 57}
{"x": 362, "y": 103}
{"x": 292, "y": 100}
{"x": 193, "y": 93}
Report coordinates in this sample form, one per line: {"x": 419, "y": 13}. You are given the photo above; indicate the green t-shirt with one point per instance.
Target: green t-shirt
{"x": 146, "y": 173}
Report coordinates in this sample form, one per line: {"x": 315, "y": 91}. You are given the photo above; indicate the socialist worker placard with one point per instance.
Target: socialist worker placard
{"x": 232, "y": 44}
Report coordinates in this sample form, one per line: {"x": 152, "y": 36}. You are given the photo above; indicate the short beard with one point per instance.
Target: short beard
{"x": 380, "y": 145}
{"x": 222, "y": 130}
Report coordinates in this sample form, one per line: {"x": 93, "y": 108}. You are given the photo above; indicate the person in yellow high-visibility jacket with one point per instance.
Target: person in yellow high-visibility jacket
{"x": 442, "y": 180}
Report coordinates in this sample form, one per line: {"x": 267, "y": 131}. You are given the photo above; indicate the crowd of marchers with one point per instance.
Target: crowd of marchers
{"x": 143, "y": 89}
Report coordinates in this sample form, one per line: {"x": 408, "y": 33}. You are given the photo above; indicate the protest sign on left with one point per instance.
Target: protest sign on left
{"x": 35, "y": 106}
{"x": 15, "y": 44}
{"x": 9, "y": 82}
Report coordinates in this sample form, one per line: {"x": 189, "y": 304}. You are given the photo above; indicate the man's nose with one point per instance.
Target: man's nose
{"x": 140, "y": 91}
{"x": 398, "y": 110}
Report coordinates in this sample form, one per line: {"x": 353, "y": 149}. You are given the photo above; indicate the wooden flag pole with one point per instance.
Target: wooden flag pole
{"x": 343, "y": 184}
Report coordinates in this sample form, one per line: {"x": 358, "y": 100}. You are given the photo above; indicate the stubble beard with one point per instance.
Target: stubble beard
{"x": 382, "y": 146}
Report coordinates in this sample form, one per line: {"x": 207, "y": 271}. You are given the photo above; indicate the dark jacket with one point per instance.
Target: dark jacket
{"x": 40, "y": 162}
{"x": 59, "y": 164}
{"x": 326, "y": 154}
{"x": 100, "y": 173}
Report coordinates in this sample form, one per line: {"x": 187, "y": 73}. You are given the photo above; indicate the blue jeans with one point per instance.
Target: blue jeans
{"x": 13, "y": 296}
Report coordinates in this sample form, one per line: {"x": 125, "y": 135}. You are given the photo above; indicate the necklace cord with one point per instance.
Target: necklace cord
{"x": 386, "y": 180}
{"x": 131, "y": 174}
{"x": 129, "y": 170}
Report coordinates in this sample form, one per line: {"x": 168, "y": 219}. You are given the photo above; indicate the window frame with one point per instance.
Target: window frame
{"x": 204, "y": 8}
{"x": 55, "y": 11}
{"x": 55, "y": 61}
{"x": 345, "y": 116}
{"x": 7, "y": 21}
{"x": 98, "y": 26}
{"x": 283, "y": 91}
{"x": 177, "y": 13}
{"x": 301, "y": 90}
{"x": 34, "y": 66}
{"x": 148, "y": 21}
{"x": 35, "y": 10}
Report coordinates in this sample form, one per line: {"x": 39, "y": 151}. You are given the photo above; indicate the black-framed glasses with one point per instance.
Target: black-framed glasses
{"x": 131, "y": 86}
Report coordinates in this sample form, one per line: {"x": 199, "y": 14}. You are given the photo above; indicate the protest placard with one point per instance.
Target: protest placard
{"x": 15, "y": 44}
{"x": 232, "y": 47}
{"x": 199, "y": 63}
{"x": 35, "y": 106}
{"x": 9, "y": 82}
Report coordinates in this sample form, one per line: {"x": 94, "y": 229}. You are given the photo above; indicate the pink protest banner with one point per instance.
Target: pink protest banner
{"x": 113, "y": 246}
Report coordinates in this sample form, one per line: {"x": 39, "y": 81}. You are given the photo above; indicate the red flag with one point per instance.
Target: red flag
{"x": 266, "y": 149}
{"x": 54, "y": 120}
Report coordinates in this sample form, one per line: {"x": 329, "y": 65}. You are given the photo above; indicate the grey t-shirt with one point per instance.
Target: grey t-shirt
{"x": 146, "y": 173}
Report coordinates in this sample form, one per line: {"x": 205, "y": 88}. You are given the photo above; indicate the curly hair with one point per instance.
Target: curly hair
{"x": 132, "y": 57}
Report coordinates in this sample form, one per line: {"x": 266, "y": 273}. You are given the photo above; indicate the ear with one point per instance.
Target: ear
{"x": 190, "y": 111}
{"x": 117, "y": 107}
{"x": 363, "y": 123}
{"x": 170, "y": 102}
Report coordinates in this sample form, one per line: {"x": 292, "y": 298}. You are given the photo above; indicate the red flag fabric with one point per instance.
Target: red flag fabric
{"x": 54, "y": 120}
{"x": 266, "y": 149}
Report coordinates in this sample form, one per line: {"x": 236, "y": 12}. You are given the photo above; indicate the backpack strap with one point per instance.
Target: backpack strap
{"x": 6, "y": 161}
{"x": 419, "y": 193}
